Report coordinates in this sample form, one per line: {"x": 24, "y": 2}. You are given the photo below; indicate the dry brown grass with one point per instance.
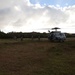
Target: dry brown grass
{"x": 37, "y": 58}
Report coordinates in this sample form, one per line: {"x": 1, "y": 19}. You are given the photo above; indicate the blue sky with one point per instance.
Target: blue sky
{"x": 62, "y": 3}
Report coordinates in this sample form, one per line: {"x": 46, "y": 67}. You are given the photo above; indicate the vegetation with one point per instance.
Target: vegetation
{"x": 27, "y": 35}
{"x": 33, "y": 57}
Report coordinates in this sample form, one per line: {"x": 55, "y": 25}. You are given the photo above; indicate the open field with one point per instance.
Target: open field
{"x": 33, "y": 57}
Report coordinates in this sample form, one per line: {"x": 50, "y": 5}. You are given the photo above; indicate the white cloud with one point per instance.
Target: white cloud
{"x": 20, "y": 15}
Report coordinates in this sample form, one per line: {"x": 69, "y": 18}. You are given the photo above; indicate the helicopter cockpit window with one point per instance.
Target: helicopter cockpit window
{"x": 61, "y": 34}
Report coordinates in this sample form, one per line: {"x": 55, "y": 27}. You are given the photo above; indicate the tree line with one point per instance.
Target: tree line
{"x": 11, "y": 35}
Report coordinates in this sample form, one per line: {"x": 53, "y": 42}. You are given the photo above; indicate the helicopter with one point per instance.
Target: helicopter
{"x": 56, "y": 35}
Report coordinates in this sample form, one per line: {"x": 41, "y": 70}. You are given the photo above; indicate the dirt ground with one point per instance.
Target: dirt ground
{"x": 37, "y": 57}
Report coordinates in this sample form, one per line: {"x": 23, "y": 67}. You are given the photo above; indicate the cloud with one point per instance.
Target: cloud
{"x": 21, "y": 14}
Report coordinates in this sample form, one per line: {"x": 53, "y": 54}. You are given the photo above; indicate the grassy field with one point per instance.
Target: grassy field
{"x": 37, "y": 57}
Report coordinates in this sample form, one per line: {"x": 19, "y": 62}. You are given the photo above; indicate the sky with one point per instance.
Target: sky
{"x": 37, "y": 15}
